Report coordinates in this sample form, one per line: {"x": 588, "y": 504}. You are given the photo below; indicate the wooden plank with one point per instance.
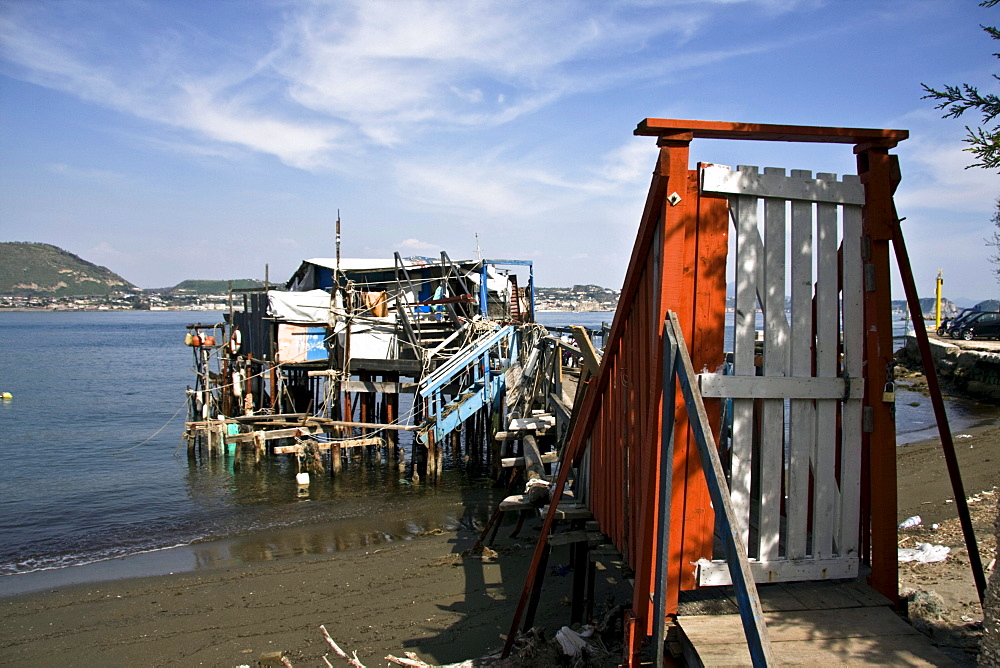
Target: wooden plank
{"x": 512, "y": 462}
{"x": 802, "y": 413}
{"x": 864, "y": 594}
{"x": 533, "y": 422}
{"x": 570, "y": 511}
{"x": 570, "y": 537}
{"x": 792, "y": 625}
{"x": 659, "y": 127}
{"x": 718, "y": 179}
{"x": 509, "y": 435}
{"x": 409, "y": 367}
{"x": 748, "y": 264}
{"x": 775, "y": 596}
{"x": 516, "y": 502}
{"x": 772, "y": 442}
{"x": 893, "y": 650}
{"x": 851, "y": 422}
{"x": 591, "y": 358}
{"x": 363, "y": 425}
{"x": 273, "y": 434}
{"x": 823, "y": 598}
{"x": 716, "y": 573}
{"x": 825, "y": 502}
{"x": 326, "y": 445}
{"x": 868, "y": 636}
{"x": 779, "y": 387}
{"x": 369, "y": 385}
{"x": 534, "y": 469}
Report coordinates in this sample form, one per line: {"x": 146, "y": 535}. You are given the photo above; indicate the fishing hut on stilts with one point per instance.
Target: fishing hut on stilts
{"x": 354, "y": 353}
{"x": 750, "y": 494}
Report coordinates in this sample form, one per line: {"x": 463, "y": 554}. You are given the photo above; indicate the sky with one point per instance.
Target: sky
{"x": 175, "y": 139}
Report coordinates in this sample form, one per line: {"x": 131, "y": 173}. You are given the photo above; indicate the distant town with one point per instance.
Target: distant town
{"x": 579, "y": 298}
{"x": 576, "y": 298}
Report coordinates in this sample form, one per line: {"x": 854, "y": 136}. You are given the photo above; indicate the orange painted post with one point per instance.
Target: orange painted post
{"x": 673, "y": 282}
{"x": 874, "y": 168}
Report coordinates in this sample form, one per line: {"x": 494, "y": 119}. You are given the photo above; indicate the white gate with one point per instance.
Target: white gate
{"x": 796, "y": 414}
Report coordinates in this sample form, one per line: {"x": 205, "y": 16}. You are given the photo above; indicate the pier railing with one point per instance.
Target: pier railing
{"x": 471, "y": 380}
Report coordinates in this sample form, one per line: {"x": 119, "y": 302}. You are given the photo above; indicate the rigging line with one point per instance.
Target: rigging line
{"x": 155, "y": 434}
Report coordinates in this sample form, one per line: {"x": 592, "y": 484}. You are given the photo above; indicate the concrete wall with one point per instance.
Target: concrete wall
{"x": 973, "y": 369}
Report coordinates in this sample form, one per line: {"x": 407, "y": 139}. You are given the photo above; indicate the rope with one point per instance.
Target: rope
{"x": 182, "y": 407}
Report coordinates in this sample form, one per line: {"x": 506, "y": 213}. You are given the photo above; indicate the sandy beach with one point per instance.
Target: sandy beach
{"x": 422, "y": 595}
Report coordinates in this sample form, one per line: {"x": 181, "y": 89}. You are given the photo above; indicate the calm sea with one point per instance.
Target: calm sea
{"x": 94, "y": 468}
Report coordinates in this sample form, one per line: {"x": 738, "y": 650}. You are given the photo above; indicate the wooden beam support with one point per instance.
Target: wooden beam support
{"x": 591, "y": 359}
{"x": 350, "y": 443}
{"x": 658, "y": 127}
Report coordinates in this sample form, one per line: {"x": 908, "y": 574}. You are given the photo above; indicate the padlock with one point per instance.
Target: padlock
{"x": 889, "y": 393}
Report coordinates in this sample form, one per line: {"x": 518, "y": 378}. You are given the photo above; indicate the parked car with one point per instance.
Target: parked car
{"x": 950, "y": 326}
{"x": 985, "y": 324}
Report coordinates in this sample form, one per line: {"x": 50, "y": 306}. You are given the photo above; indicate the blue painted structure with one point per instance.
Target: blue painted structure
{"x": 480, "y": 369}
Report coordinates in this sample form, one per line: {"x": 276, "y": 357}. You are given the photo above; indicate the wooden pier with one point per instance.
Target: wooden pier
{"x": 809, "y": 623}
{"x": 405, "y": 362}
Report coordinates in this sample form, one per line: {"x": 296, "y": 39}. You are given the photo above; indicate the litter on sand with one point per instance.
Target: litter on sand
{"x": 924, "y": 552}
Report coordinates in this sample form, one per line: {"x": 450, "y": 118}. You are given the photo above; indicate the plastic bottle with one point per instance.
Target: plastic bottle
{"x": 910, "y": 522}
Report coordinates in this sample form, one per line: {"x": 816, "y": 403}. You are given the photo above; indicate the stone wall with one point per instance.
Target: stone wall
{"x": 971, "y": 371}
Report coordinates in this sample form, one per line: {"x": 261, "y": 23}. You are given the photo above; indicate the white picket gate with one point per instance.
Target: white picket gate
{"x": 796, "y": 411}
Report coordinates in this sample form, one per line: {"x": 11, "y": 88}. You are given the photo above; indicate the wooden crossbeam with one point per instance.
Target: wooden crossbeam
{"x": 591, "y": 359}
{"x": 514, "y": 462}
{"x": 350, "y": 443}
{"x": 716, "y": 386}
{"x": 655, "y": 127}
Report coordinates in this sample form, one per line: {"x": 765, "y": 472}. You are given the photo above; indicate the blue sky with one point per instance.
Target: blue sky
{"x": 172, "y": 139}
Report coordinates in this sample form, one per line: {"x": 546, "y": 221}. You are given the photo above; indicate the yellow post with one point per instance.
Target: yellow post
{"x": 937, "y": 301}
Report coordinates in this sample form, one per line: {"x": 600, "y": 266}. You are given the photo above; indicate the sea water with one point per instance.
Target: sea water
{"x": 93, "y": 469}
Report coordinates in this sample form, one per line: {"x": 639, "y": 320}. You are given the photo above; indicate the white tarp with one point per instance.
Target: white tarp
{"x": 371, "y": 338}
{"x": 308, "y": 308}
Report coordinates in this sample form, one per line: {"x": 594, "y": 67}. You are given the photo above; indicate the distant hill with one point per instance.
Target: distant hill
{"x": 43, "y": 269}
{"x": 205, "y": 287}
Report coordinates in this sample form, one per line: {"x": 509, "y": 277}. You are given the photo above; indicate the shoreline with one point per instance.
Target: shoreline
{"x": 422, "y": 595}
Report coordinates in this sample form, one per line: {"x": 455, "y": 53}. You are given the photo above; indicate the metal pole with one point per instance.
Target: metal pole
{"x": 934, "y": 389}
{"x": 937, "y": 301}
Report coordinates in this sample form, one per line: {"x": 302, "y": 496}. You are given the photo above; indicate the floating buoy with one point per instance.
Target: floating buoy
{"x": 196, "y": 341}
{"x": 238, "y": 383}
{"x": 235, "y": 341}
{"x": 208, "y": 340}
{"x": 6, "y": 395}
{"x": 188, "y": 339}
{"x": 302, "y": 478}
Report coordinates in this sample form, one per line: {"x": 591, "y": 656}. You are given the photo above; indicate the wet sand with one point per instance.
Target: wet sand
{"x": 420, "y": 595}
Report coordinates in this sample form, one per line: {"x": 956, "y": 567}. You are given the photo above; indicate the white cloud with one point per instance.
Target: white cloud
{"x": 935, "y": 177}
{"x": 338, "y": 77}
{"x": 416, "y": 245}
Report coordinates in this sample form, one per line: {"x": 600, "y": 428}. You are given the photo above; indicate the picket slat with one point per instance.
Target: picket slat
{"x": 802, "y": 414}
{"x": 775, "y": 364}
{"x": 850, "y": 460}
{"x": 801, "y": 365}
{"x": 749, "y": 261}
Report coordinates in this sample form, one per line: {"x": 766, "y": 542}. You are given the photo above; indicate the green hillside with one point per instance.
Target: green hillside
{"x": 205, "y": 287}
{"x": 43, "y": 269}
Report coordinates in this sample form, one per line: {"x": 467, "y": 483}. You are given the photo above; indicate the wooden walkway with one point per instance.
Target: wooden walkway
{"x": 809, "y": 623}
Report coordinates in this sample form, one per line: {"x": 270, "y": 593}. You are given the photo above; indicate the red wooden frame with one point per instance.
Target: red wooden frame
{"x": 678, "y": 262}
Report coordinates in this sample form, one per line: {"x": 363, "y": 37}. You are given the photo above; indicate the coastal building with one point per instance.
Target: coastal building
{"x": 351, "y": 352}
